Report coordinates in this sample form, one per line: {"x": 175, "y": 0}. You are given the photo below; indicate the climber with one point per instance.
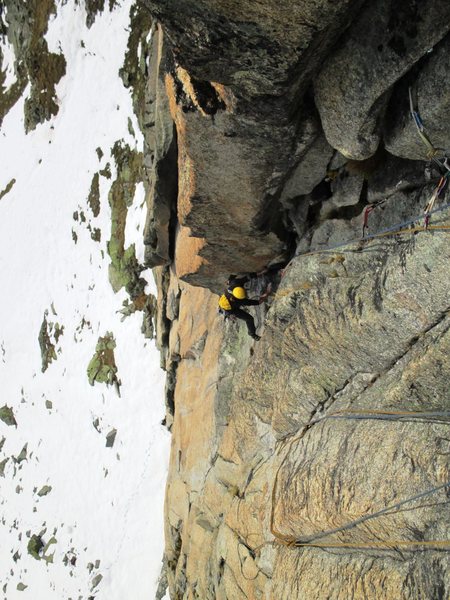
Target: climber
{"x": 235, "y": 296}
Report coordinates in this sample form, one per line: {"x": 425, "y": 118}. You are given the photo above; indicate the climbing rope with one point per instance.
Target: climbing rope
{"x": 397, "y": 229}
{"x": 432, "y": 151}
{"x": 383, "y": 545}
{"x": 312, "y": 540}
{"x": 429, "y": 207}
{"x": 388, "y": 415}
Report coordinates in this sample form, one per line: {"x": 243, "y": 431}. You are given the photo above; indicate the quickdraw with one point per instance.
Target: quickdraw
{"x": 432, "y": 151}
{"x": 441, "y": 163}
{"x": 441, "y": 186}
{"x": 367, "y": 212}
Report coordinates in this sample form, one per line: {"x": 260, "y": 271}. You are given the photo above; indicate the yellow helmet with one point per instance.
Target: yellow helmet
{"x": 239, "y": 293}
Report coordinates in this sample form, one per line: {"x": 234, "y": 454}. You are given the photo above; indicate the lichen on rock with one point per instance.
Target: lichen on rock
{"x": 49, "y": 335}
{"x": 35, "y": 546}
{"x": 102, "y": 367}
{"x": 2, "y": 466}
{"x": 124, "y": 270}
{"x": 7, "y": 189}
{"x": 94, "y": 195}
{"x": 26, "y": 28}
{"x": 45, "y": 489}
{"x": 21, "y": 587}
{"x": 7, "y": 415}
{"x": 23, "y": 455}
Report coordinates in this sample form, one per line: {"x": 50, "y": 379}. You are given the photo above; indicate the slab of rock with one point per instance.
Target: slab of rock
{"x": 258, "y": 457}
{"x": 419, "y": 574}
{"x": 317, "y": 492}
{"x": 222, "y": 186}
{"x": 333, "y": 232}
{"x": 242, "y": 124}
{"x": 396, "y": 175}
{"x": 311, "y": 169}
{"x": 161, "y": 193}
{"x": 289, "y": 440}
{"x": 258, "y": 49}
{"x": 405, "y": 461}
{"x": 346, "y": 191}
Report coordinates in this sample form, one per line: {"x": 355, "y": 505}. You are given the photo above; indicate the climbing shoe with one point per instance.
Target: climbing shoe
{"x": 256, "y": 337}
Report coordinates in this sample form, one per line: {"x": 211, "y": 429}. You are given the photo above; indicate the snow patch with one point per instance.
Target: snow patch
{"x": 134, "y": 229}
{"x": 8, "y": 62}
{"x": 105, "y": 506}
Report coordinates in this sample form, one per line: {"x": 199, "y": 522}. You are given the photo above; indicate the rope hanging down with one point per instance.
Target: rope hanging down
{"x": 387, "y": 415}
{"x": 312, "y": 540}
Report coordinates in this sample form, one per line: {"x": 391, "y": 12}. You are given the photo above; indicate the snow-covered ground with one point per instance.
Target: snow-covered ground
{"x": 104, "y": 512}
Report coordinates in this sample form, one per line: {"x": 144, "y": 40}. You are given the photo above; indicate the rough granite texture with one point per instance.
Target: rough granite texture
{"x": 312, "y": 464}
{"x": 400, "y": 133}
{"x": 289, "y": 439}
{"x": 355, "y": 84}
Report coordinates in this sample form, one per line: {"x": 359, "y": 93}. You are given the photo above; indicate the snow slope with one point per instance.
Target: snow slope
{"x": 105, "y": 506}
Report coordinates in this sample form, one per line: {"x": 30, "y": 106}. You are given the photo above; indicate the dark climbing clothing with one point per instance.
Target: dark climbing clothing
{"x": 245, "y": 316}
{"x": 235, "y": 310}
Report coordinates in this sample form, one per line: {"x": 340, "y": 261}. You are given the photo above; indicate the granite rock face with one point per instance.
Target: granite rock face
{"x": 340, "y": 412}
{"x": 431, "y": 82}
{"x": 162, "y": 145}
{"x": 355, "y": 84}
{"x": 243, "y": 88}
{"x": 237, "y": 98}
{"x": 314, "y": 462}
{"x": 260, "y": 50}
